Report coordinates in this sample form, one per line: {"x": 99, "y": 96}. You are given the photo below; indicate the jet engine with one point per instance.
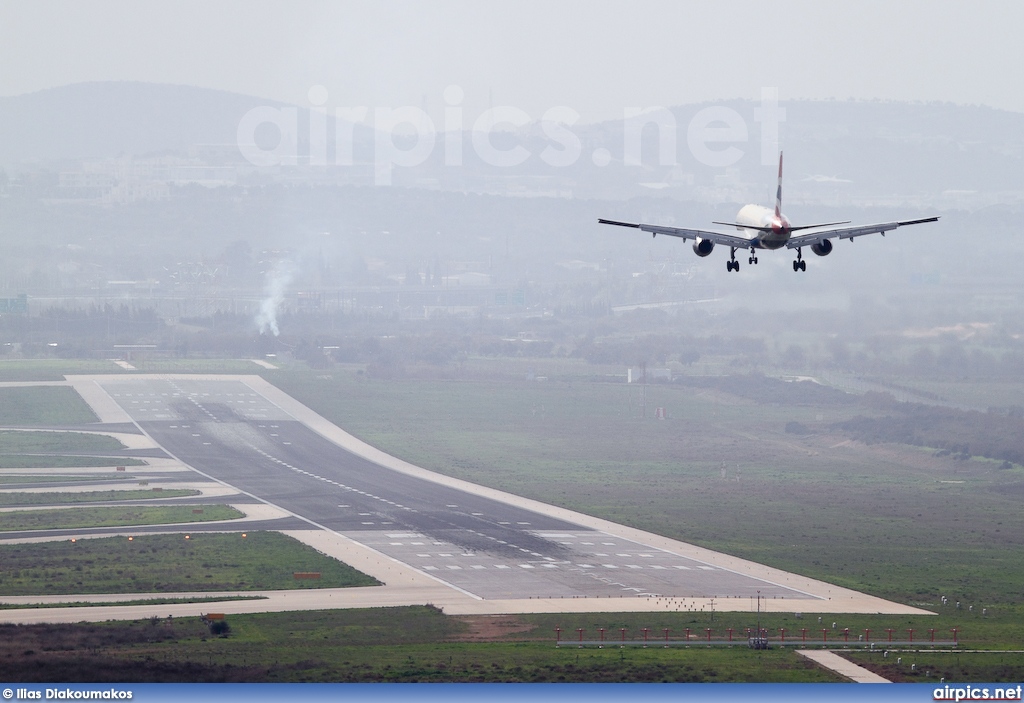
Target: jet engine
{"x": 822, "y": 248}
{"x": 702, "y": 247}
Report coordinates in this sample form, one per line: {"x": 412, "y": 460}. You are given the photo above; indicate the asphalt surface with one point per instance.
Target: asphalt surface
{"x": 481, "y": 546}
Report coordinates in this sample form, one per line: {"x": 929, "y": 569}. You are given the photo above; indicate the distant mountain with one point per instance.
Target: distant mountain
{"x": 116, "y": 118}
{"x": 838, "y": 152}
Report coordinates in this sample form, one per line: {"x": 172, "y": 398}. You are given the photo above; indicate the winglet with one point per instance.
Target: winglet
{"x": 778, "y": 191}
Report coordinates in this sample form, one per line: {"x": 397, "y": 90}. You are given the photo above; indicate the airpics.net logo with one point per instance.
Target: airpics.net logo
{"x": 406, "y": 137}
{"x": 977, "y": 693}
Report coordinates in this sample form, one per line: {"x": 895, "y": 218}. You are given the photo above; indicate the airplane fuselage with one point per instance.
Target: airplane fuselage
{"x": 767, "y": 230}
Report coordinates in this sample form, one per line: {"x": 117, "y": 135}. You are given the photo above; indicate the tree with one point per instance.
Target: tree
{"x": 220, "y": 628}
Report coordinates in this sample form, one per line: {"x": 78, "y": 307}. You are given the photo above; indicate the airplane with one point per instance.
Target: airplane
{"x": 763, "y": 228}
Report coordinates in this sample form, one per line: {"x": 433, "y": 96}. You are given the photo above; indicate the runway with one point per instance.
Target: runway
{"x": 490, "y": 551}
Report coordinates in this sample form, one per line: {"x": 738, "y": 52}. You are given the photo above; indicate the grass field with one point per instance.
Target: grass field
{"x": 27, "y": 442}
{"x": 47, "y": 461}
{"x": 240, "y": 366}
{"x": 53, "y": 369}
{"x": 13, "y": 499}
{"x": 71, "y": 518}
{"x": 43, "y": 405}
{"x": 420, "y": 644}
{"x": 394, "y": 644}
{"x": 929, "y": 667}
{"x": 15, "y": 479}
{"x": 23, "y": 449}
{"x": 139, "y": 601}
{"x": 998, "y": 630}
{"x": 168, "y": 563}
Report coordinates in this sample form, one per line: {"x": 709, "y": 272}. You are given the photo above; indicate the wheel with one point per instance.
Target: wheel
{"x": 750, "y": 260}
{"x": 796, "y": 265}
{"x": 755, "y": 259}
{"x": 803, "y": 265}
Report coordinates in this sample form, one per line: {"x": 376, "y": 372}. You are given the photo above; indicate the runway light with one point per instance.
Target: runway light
{"x": 130, "y": 539}
{"x": 244, "y": 535}
{"x": 74, "y": 539}
{"x": 188, "y": 537}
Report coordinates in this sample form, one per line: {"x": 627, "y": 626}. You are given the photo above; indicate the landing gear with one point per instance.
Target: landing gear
{"x": 753, "y": 257}
{"x": 732, "y": 264}
{"x": 799, "y": 264}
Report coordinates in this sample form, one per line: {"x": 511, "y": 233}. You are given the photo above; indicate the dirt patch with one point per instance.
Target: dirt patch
{"x": 489, "y": 628}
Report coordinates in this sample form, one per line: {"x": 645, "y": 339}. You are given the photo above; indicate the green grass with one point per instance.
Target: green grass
{"x": 998, "y": 630}
{"x": 71, "y": 518}
{"x": 137, "y": 601}
{"x": 43, "y": 405}
{"x": 239, "y": 366}
{"x": 24, "y": 449}
{"x": 12, "y": 499}
{"x": 961, "y": 667}
{"x": 421, "y": 644}
{"x": 53, "y": 369}
{"x": 56, "y": 478}
{"x": 169, "y": 563}
{"x": 414, "y": 644}
{"x": 27, "y": 442}
{"x": 50, "y": 461}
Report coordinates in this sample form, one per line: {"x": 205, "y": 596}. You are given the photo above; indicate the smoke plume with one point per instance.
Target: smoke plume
{"x": 279, "y": 278}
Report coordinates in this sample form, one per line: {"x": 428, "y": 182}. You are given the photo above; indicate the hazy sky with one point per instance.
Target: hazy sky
{"x": 595, "y": 57}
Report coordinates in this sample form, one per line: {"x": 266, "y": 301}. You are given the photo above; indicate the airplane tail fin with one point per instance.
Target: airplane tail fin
{"x": 778, "y": 191}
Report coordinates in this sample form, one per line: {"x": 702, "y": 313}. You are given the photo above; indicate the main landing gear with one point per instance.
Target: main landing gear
{"x": 732, "y": 264}
{"x": 799, "y": 264}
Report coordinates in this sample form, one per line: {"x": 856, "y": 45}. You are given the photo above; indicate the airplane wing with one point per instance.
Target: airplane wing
{"x": 729, "y": 240}
{"x": 806, "y": 240}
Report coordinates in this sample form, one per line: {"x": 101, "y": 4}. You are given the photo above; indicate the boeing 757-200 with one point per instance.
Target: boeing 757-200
{"x": 764, "y": 228}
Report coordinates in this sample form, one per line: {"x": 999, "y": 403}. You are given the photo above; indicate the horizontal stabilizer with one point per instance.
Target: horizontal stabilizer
{"x": 917, "y": 222}
{"x": 769, "y": 228}
{"x": 737, "y": 224}
{"x": 821, "y": 224}
{"x": 616, "y": 222}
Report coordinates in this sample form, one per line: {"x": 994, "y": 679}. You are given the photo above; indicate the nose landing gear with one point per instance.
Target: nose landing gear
{"x": 753, "y": 257}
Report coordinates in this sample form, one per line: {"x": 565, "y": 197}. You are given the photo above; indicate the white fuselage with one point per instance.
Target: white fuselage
{"x": 769, "y": 231}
